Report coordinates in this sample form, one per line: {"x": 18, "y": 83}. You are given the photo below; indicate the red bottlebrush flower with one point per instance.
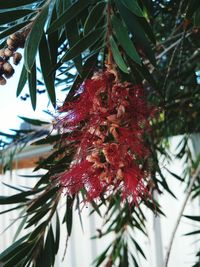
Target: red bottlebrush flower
{"x": 107, "y": 121}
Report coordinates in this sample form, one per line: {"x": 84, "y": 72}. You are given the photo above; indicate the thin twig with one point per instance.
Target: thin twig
{"x": 189, "y": 190}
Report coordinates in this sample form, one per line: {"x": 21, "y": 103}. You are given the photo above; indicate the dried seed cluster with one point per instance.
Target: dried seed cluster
{"x": 15, "y": 41}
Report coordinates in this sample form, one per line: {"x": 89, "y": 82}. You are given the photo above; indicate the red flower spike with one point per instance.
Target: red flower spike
{"x": 107, "y": 122}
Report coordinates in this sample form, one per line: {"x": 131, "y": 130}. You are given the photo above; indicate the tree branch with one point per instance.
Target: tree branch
{"x": 189, "y": 190}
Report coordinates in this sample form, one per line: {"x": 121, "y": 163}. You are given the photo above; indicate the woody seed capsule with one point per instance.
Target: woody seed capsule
{"x": 18, "y": 38}
{"x": 2, "y": 53}
{"x": 8, "y": 70}
{"x": 2, "y": 80}
{"x": 11, "y": 43}
{"x": 16, "y": 58}
{"x": 8, "y": 52}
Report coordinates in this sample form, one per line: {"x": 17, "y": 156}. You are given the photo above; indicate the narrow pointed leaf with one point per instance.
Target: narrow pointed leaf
{"x": 94, "y": 17}
{"x": 22, "y": 80}
{"x": 46, "y": 66}
{"x": 86, "y": 42}
{"x": 15, "y": 3}
{"x": 133, "y": 7}
{"x": 136, "y": 29}
{"x": 32, "y": 83}
{"x": 68, "y": 15}
{"x": 13, "y": 29}
{"x": 34, "y": 37}
{"x": 117, "y": 56}
{"x": 9, "y": 16}
{"x": 33, "y": 121}
{"x": 124, "y": 39}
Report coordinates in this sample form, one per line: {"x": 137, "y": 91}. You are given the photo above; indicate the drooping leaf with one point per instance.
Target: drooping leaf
{"x": 124, "y": 39}
{"x": 137, "y": 31}
{"x": 194, "y": 218}
{"x": 9, "y": 16}
{"x": 117, "y": 56}
{"x": 22, "y": 80}
{"x": 192, "y": 7}
{"x": 32, "y": 83}
{"x": 11, "y": 249}
{"x": 33, "y": 121}
{"x": 94, "y": 16}
{"x": 68, "y": 15}
{"x": 15, "y": 3}
{"x": 69, "y": 214}
{"x": 133, "y": 7}
{"x": 46, "y": 66}
{"x": 84, "y": 43}
{"x": 13, "y": 29}
{"x": 73, "y": 37}
{"x": 34, "y": 37}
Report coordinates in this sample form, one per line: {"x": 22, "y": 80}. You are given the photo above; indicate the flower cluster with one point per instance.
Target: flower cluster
{"x": 106, "y": 123}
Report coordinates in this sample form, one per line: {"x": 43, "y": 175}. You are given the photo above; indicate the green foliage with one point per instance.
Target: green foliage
{"x": 151, "y": 43}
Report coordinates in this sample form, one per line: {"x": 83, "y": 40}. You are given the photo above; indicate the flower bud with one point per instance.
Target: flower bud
{"x": 8, "y": 52}
{"x": 8, "y": 70}
{"x": 16, "y": 58}
{"x": 2, "y": 80}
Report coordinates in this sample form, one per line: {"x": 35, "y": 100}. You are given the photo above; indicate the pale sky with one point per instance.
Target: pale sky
{"x": 11, "y": 107}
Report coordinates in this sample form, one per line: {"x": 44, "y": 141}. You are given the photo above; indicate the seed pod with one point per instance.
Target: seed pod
{"x": 8, "y": 70}
{"x": 16, "y": 58}
{"x": 11, "y": 43}
{"x": 2, "y": 80}
{"x": 2, "y": 53}
{"x": 18, "y": 38}
{"x": 8, "y": 52}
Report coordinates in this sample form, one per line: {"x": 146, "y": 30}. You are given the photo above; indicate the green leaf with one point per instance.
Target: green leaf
{"x": 13, "y": 29}
{"x": 15, "y": 3}
{"x": 32, "y": 83}
{"x": 86, "y": 42}
{"x": 71, "y": 13}
{"x": 73, "y": 37}
{"x": 137, "y": 30}
{"x": 38, "y": 216}
{"x": 33, "y": 121}
{"x": 9, "y": 16}
{"x": 192, "y": 7}
{"x": 94, "y": 16}
{"x": 49, "y": 254}
{"x": 117, "y": 56}
{"x": 34, "y": 37}
{"x": 133, "y": 6}
{"x": 23, "y": 249}
{"x": 138, "y": 248}
{"x": 194, "y": 218}
{"x": 193, "y": 233}
{"x": 43, "y": 198}
{"x": 69, "y": 214}
{"x": 87, "y": 69}
{"x": 16, "y": 207}
{"x": 197, "y": 18}
{"x": 20, "y": 227}
{"x": 124, "y": 39}
{"x": 57, "y": 235}
{"x": 46, "y": 66}
{"x": 12, "y": 248}
{"x": 53, "y": 38}
{"x": 22, "y": 80}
